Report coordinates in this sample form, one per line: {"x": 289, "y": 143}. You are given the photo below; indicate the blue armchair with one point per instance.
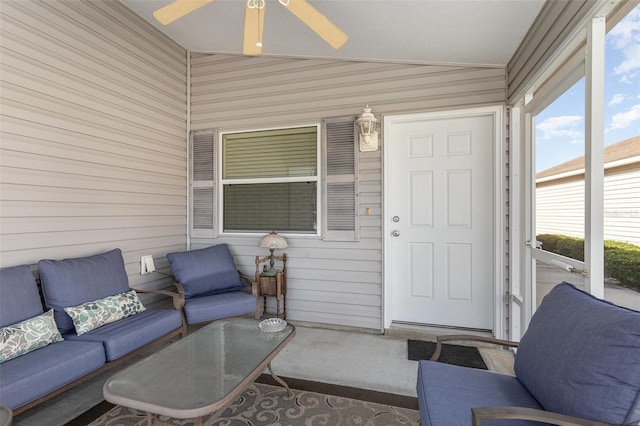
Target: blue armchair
{"x": 577, "y": 364}
{"x": 212, "y": 286}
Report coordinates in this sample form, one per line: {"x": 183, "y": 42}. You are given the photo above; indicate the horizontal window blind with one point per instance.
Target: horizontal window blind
{"x": 283, "y": 207}
{"x": 270, "y": 153}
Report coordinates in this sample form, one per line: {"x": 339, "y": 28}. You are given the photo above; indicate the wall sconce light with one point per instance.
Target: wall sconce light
{"x": 367, "y": 125}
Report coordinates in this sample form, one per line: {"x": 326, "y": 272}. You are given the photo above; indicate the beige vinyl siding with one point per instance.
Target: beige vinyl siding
{"x": 329, "y": 282}
{"x": 622, "y": 204}
{"x": 561, "y": 205}
{"x": 554, "y": 23}
{"x": 93, "y": 135}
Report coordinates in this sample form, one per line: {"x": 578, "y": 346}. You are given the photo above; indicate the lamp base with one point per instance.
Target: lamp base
{"x": 272, "y": 270}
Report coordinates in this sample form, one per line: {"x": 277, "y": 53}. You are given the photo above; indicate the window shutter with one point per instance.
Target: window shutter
{"x": 340, "y": 179}
{"x": 202, "y": 185}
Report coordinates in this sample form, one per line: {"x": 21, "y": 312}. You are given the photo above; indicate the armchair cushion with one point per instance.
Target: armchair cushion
{"x": 216, "y": 306}
{"x": 450, "y": 391}
{"x": 205, "y": 271}
{"x": 579, "y": 357}
{"x": 71, "y": 282}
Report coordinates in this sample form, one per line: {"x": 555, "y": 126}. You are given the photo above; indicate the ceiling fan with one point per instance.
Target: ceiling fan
{"x": 254, "y": 20}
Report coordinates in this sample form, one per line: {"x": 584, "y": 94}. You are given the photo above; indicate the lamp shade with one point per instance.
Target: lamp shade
{"x": 273, "y": 241}
{"x": 367, "y": 122}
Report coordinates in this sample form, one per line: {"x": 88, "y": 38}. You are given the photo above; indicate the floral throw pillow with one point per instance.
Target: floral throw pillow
{"x": 28, "y": 335}
{"x": 91, "y": 315}
{"x": 130, "y": 303}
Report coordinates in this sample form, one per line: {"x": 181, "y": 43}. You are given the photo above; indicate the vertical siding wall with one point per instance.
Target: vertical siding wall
{"x": 561, "y": 205}
{"x": 329, "y": 282}
{"x": 93, "y": 135}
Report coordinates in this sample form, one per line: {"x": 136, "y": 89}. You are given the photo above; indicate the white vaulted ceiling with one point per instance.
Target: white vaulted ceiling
{"x": 462, "y": 32}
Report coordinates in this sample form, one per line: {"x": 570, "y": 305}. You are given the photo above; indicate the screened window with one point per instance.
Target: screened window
{"x": 270, "y": 180}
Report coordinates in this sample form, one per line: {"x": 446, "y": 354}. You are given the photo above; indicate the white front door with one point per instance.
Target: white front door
{"x": 440, "y": 219}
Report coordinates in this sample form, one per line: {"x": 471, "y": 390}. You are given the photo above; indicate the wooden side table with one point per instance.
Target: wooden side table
{"x": 270, "y": 283}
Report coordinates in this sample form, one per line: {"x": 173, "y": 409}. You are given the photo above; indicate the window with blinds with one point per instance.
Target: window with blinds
{"x": 269, "y": 180}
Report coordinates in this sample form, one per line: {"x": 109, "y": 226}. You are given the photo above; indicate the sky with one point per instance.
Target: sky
{"x": 560, "y": 127}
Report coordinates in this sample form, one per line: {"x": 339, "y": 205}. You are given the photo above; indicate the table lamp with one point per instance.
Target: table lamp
{"x": 273, "y": 241}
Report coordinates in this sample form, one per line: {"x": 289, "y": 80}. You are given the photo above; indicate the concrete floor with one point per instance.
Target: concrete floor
{"x": 548, "y": 276}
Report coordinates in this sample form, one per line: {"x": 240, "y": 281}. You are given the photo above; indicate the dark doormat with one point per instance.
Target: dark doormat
{"x": 465, "y": 356}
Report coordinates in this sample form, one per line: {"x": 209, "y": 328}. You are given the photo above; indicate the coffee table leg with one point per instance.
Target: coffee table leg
{"x": 279, "y": 380}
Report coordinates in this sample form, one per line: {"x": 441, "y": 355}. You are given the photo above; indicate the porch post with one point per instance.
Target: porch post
{"x": 594, "y": 157}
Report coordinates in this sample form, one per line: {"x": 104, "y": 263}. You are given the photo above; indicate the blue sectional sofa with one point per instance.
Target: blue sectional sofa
{"x": 577, "y": 364}
{"x": 42, "y": 349}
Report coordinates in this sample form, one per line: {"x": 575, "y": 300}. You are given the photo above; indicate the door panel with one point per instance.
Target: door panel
{"x": 441, "y": 191}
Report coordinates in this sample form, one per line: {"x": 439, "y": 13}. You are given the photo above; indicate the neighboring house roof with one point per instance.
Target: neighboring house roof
{"x": 622, "y": 150}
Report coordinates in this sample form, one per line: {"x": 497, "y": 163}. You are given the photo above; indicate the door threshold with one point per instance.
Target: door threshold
{"x": 412, "y": 329}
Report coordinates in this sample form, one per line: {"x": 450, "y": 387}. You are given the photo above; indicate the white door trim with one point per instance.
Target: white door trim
{"x": 499, "y": 206}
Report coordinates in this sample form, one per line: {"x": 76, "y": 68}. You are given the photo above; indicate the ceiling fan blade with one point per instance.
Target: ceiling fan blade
{"x": 177, "y": 9}
{"x": 253, "y": 29}
{"x": 317, "y": 22}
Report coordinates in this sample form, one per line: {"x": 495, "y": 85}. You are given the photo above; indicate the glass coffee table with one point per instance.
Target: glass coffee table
{"x": 6, "y": 416}
{"x": 200, "y": 374}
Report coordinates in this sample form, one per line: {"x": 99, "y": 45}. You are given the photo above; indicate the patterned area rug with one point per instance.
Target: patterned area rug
{"x": 263, "y": 404}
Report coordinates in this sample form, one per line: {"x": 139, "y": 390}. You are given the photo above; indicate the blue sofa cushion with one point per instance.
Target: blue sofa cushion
{"x": 128, "y": 334}
{"x": 71, "y": 282}
{"x": 37, "y": 373}
{"x": 216, "y": 306}
{"x": 20, "y": 296}
{"x": 446, "y": 394}
{"x": 206, "y": 271}
{"x": 580, "y": 356}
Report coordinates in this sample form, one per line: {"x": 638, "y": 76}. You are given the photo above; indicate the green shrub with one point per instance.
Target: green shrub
{"x": 621, "y": 260}
{"x": 564, "y": 245}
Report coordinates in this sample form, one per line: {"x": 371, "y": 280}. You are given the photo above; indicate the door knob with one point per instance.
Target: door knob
{"x": 395, "y": 233}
